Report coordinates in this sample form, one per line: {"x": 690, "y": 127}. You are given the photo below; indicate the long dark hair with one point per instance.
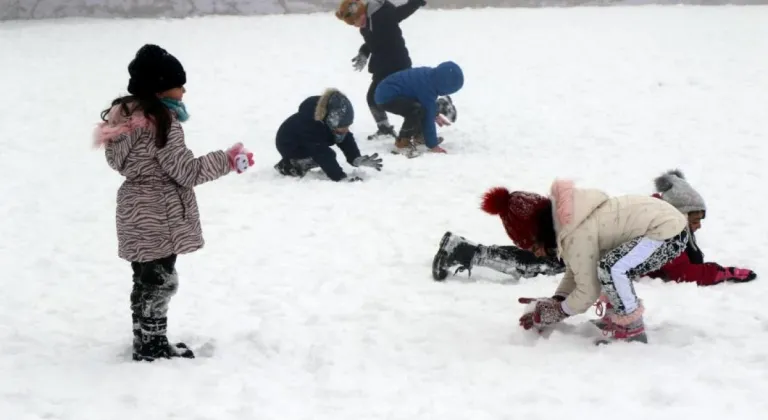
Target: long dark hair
{"x": 154, "y": 110}
{"x": 546, "y": 227}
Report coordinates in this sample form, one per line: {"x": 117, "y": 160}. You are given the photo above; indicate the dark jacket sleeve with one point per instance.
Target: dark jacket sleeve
{"x": 349, "y": 148}
{"x": 406, "y": 10}
{"x": 325, "y": 157}
{"x": 428, "y": 123}
{"x": 364, "y": 50}
{"x": 683, "y": 271}
{"x": 386, "y": 27}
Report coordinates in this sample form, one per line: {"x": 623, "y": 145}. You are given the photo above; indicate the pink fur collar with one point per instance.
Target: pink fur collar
{"x": 562, "y": 199}
{"x": 116, "y": 125}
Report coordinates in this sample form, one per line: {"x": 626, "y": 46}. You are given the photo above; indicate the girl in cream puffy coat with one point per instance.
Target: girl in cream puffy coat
{"x": 605, "y": 243}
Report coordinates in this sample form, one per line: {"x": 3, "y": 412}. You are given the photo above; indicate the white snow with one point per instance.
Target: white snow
{"x": 318, "y": 295}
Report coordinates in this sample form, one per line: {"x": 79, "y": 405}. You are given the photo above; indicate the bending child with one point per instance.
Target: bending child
{"x": 304, "y": 139}
{"x": 605, "y": 242}
{"x": 413, "y": 94}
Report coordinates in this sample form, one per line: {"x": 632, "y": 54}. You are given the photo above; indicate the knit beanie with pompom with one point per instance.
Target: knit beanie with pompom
{"x": 520, "y": 212}
{"x": 675, "y": 189}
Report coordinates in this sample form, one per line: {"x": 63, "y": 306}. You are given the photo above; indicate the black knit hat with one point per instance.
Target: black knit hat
{"x": 154, "y": 70}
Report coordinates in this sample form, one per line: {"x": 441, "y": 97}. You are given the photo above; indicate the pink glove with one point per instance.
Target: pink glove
{"x": 734, "y": 274}
{"x": 239, "y": 157}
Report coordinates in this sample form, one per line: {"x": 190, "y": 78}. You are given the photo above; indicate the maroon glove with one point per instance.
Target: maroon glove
{"x": 738, "y": 275}
{"x": 547, "y": 311}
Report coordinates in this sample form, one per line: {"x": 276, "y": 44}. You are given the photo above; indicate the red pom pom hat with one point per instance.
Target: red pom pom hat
{"x": 519, "y": 212}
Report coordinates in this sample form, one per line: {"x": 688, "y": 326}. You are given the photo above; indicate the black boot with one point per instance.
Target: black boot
{"x": 136, "y": 335}
{"x": 155, "y": 345}
{"x": 285, "y": 167}
{"x": 384, "y": 130}
{"x": 454, "y": 250}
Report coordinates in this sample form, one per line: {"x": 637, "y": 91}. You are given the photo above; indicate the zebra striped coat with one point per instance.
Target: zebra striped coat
{"x": 157, "y": 213}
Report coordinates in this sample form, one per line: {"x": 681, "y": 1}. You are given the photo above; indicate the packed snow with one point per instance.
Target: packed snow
{"x": 314, "y": 299}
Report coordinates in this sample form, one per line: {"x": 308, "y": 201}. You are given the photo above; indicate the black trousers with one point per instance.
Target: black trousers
{"x": 412, "y": 113}
{"x": 378, "y": 113}
{"x": 154, "y": 283}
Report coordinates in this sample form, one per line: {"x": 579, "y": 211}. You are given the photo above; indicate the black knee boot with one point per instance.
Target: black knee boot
{"x": 154, "y": 342}
{"x": 453, "y": 250}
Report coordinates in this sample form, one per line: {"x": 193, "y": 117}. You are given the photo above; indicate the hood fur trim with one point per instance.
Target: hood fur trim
{"x": 117, "y": 124}
{"x": 321, "y": 109}
{"x": 562, "y": 200}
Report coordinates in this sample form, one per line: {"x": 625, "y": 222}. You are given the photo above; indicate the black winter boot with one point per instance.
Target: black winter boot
{"x": 384, "y": 130}
{"x": 155, "y": 345}
{"x": 454, "y": 250}
{"x": 136, "y": 334}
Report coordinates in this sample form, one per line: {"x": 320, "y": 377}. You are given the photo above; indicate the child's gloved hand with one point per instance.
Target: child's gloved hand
{"x": 359, "y": 61}
{"x": 437, "y": 149}
{"x": 372, "y": 161}
{"x": 240, "y": 159}
{"x": 442, "y": 121}
{"x": 547, "y": 312}
{"x": 737, "y": 275}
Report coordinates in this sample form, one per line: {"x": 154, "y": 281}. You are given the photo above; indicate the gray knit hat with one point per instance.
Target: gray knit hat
{"x": 676, "y": 190}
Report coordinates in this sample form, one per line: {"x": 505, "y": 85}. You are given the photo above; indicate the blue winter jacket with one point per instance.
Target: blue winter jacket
{"x": 423, "y": 84}
{"x": 301, "y": 136}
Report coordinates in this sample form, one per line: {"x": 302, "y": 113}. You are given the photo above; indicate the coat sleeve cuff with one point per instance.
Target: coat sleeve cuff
{"x": 567, "y": 310}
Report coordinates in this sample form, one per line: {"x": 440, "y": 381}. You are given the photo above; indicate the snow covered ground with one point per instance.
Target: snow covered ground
{"x": 318, "y": 295}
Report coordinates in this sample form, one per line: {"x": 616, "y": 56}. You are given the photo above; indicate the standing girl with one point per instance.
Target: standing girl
{"x": 157, "y": 214}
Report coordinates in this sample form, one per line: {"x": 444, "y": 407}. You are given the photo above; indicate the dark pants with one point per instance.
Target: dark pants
{"x": 412, "y": 113}
{"x": 154, "y": 283}
{"x": 379, "y": 114}
{"x": 516, "y": 261}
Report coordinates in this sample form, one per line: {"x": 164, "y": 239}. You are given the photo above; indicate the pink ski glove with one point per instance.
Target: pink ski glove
{"x": 239, "y": 157}
{"x": 734, "y": 274}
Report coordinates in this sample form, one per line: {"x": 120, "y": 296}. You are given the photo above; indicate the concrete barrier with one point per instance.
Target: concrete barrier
{"x": 48, "y": 9}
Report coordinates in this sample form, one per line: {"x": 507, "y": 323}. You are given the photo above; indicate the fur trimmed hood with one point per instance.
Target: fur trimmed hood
{"x": 334, "y": 109}
{"x": 118, "y": 124}
{"x": 571, "y": 206}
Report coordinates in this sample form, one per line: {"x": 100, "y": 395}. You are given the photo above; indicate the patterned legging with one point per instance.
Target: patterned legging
{"x": 630, "y": 260}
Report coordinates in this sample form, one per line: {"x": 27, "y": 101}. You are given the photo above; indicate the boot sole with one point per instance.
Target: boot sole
{"x": 437, "y": 273}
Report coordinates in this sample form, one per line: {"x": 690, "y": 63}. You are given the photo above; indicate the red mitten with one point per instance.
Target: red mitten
{"x": 547, "y": 312}
{"x": 240, "y": 159}
{"x": 738, "y": 275}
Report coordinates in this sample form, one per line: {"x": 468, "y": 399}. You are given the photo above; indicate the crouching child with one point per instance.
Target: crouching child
{"x": 413, "y": 94}
{"x": 305, "y": 139}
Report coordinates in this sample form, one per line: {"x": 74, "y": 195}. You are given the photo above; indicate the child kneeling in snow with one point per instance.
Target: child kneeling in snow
{"x": 305, "y": 138}
{"x": 157, "y": 212}
{"x": 605, "y": 243}
{"x": 413, "y": 94}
